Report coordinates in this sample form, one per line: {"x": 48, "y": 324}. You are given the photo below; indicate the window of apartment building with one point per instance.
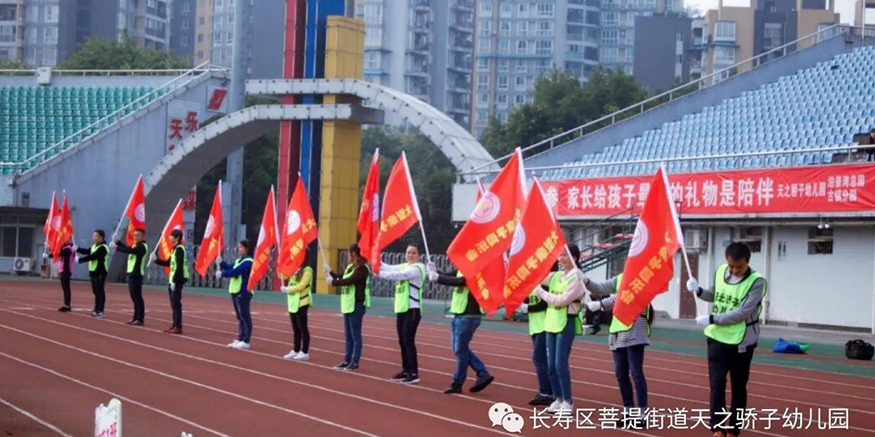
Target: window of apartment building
{"x": 504, "y": 66}
{"x": 520, "y": 84}
{"x": 628, "y": 69}
{"x": 373, "y": 14}
{"x": 374, "y": 37}
{"x": 648, "y": 4}
{"x": 544, "y": 47}
{"x": 485, "y": 27}
{"x": 523, "y": 10}
{"x": 724, "y": 31}
{"x": 482, "y": 98}
{"x": 485, "y": 8}
{"x": 7, "y": 33}
{"x": 591, "y": 53}
{"x": 545, "y": 10}
{"x": 506, "y": 9}
{"x": 820, "y": 241}
{"x": 484, "y": 45}
{"x": 7, "y": 12}
{"x": 186, "y": 8}
{"x": 372, "y": 60}
{"x": 502, "y": 100}
{"x": 183, "y": 42}
{"x": 200, "y": 38}
{"x": 482, "y": 82}
{"x": 50, "y": 56}
{"x": 724, "y": 56}
{"x": 217, "y": 38}
{"x": 504, "y": 28}
{"x": 50, "y": 35}
{"x": 774, "y": 34}
{"x": 504, "y": 46}
{"x": 521, "y": 66}
{"x": 609, "y": 18}
{"x": 503, "y": 83}
{"x": 51, "y": 13}
{"x": 522, "y": 48}
{"x": 592, "y": 17}
{"x": 200, "y": 54}
{"x": 610, "y": 3}
{"x": 502, "y": 116}
{"x": 610, "y": 36}
{"x": 630, "y": 37}
{"x": 522, "y": 28}
{"x": 630, "y": 55}
{"x": 545, "y": 28}
{"x": 30, "y": 35}
{"x": 186, "y": 24}
{"x": 217, "y": 3}
{"x": 482, "y": 64}
{"x": 530, "y": 82}
{"x": 609, "y": 54}
{"x": 16, "y": 241}
{"x": 31, "y": 13}
{"x": 631, "y": 4}
{"x": 520, "y": 99}
{"x": 630, "y": 19}
{"x": 201, "y": 21}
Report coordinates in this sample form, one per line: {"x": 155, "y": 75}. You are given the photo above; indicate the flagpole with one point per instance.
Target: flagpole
{"x": 322, "y": 250}
{"x": 127, "y": 207}
{"x": 677, "y": 223}
{"x": 416, "y": 205}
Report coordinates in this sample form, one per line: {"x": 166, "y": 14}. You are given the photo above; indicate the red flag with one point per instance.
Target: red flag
{"x": 300, "y": 230}
{"x": 487, "y": 234}
{"x": 266, "y": 240}
{"x": 164, "y": 246}
{"x": 136, "y": 210}
{"x": 400, "y": 210}
{"x": 53, "y": 223}
{"x": 369, "y": 214}
{"x": 214, "y": 236}
{"x": 650, "y": 262}
{"x": 491, "y": 278}
{"x": 537, "y": 241}
{"x": 64, "y": 231}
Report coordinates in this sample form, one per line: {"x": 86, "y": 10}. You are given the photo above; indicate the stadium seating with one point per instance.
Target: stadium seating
{"x": 824, "y": 106}
{"x": 33, "y": 119}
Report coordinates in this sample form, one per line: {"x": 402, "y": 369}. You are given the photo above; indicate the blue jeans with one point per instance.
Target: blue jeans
{"x": 463, "y": 332}
{"x": 244, "y": 318}
{"x": 352, "y": 328}
{"x": 626, "y": 360}
{"x": 558, "y": 351}
{"x": 539, "y": 357}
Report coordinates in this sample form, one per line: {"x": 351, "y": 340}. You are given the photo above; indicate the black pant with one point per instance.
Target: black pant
{"x": 65, "y": 285}
{"x": 407, "y": 324}
{"x": 98, "y": 283}
{"x": 722, "y": 359}
{"x": 302, "y": 332}
{"x": 176, "y": 304}
{"x": 135, "y": 286}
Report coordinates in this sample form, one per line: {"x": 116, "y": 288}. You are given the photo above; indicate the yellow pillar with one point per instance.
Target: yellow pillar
{"x": 341, "y": 146}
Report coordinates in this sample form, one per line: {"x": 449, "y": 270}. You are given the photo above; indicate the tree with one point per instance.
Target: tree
{"x": 107, "y": 54}
{"x": 11, "y": 65}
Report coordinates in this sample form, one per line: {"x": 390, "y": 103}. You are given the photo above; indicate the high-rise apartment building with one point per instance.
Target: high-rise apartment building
{"x": 11, "y": 30}
{"x": 424, "y": 48}
{"x": 182, "y": 26}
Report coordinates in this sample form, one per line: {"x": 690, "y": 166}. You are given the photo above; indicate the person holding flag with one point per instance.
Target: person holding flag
{"x": 65, "y": 271}
{"x": 355, "y": 299}
{"x": 409, "y": 280}
{"x": 97, "y": 257}
{"x": 733, "y": 331}
{"x": 561, "y": 323}
{"x": 241, "y": 295}
{"x": 299, "y": 290}
{"x": 178, "y": 263}
{"x": 536, "y": 309}
{"x": 627, "y": 343}
{"x": 136, "y": 270}
{"x": 467, "y": 316}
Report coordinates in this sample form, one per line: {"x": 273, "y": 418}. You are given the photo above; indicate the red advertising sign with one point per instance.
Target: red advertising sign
{"x": 831, "y": 188}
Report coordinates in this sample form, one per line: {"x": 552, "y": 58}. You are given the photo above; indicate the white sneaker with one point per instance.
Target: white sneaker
{"x": 565, "y": 408}
{"x": 233, "y": 343}
{"x": 241, "y": 345}
{"x": 291, "y": 355}
{"x": 302, "y": 357}
{"x": 554, "y": 407}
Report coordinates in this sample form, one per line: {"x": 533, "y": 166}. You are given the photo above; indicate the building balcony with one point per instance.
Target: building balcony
{"x": 573, "y": 56}
{"x": 463, "y": 5}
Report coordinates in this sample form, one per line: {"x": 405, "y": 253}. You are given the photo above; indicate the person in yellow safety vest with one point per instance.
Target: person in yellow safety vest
{"x": 97, "y": 257}
{"x": 136, "y": 270}
{"x": 562, "y": 323}
{"x": 299, "y": 291}
{"x": 410, "y": 279}
{"x": 178, "y": 264}
{"x": 241, "y": 296}
{"x": 355, "y": 299}
{"x": 732, "y": 330}
{"x": 627, "y": 343}
{"x": 536, "y": 308}
{"x": 467, "y": 316}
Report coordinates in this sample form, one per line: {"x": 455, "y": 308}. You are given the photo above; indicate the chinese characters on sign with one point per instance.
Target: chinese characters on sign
{"x": 840, "y": 188}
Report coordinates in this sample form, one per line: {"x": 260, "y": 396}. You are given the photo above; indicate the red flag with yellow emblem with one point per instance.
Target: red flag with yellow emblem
{"x": 400, "y": 210}
{"x": 214, "y": 236}
{"x": 299, "y": 231}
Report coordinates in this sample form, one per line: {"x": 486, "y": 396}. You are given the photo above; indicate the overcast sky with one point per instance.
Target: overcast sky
{"x": 843, "y": 7}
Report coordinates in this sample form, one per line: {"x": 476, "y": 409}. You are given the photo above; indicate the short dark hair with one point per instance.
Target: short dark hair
{"x": 140, "y": 230}
{"x": 738, "y": 251}
{"x": 101, "y": 233}
{"x": 418, "y": 250}
{"x": 354, "y": 248}
{"x": 176, "y": 233}
{"x": 245, "y": 243}
{"x": 575, "y": 254}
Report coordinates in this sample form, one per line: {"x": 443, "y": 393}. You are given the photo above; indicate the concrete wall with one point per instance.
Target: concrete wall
{"x": 653, "y": 119}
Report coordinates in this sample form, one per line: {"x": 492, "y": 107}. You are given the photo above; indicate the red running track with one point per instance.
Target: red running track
{"x": 57, "y": 367}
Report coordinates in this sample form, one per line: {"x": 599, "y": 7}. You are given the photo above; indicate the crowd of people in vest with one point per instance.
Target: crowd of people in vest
{"x": 554, "y": 318}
